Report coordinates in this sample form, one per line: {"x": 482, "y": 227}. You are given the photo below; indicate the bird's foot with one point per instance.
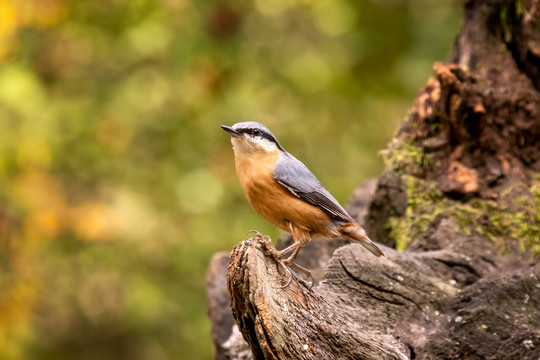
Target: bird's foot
{"x": 267, "y": 243}
{"x": 291, "y": 264}
{"x": 278, "y": 257}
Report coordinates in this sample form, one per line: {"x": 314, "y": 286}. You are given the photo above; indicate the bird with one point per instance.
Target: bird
{"x": 281, "y": 189}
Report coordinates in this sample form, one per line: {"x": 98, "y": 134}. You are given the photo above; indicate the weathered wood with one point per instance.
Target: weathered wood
{"x": 295, "y": 322}
{"x": 228, "y": 341}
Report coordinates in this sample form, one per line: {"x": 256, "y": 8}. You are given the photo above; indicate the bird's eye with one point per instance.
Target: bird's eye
{"x": 256, "y": 132}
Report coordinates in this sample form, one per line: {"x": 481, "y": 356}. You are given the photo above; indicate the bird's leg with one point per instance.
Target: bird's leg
{"x": 290, "y": 262}
{"x": 291, "y": 258}
{"x": 301, "y": 238}
{"x": 288, "y": 249}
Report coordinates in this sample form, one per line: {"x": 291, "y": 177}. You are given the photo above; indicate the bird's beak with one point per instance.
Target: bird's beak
{"x": 230, "y": 130}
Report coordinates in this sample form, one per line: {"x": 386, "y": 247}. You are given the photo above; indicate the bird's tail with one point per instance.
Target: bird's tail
{"x": 355, "y": 232}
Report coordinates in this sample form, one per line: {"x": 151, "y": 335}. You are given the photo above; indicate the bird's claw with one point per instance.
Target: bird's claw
{"x": 266, "y": 240}
{"x": 259, "y": 236}
{"x": 289, "y": 277}
{"x": 287, "y": 264}
{"x": 306, "y": 272}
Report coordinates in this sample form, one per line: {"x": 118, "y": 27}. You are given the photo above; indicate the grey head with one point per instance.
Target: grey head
{"x": 253, "y": 134}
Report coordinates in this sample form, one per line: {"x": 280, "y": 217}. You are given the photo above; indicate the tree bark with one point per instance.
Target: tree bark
{"x": 460, "y": 199}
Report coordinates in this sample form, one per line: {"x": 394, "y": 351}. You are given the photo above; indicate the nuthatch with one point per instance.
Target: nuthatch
{"x": 285, "y": 193}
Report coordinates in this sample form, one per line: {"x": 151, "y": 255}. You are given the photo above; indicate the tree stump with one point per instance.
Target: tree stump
{"x": 459, "y": 199}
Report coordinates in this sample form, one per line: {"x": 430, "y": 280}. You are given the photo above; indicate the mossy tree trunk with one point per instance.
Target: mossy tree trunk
{"x": 460, "y": 197}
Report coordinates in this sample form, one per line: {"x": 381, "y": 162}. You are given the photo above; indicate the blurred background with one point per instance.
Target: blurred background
{"x": 116, "y": 182}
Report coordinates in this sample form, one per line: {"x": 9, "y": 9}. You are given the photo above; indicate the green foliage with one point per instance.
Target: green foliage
{"x": 116, "y": 182}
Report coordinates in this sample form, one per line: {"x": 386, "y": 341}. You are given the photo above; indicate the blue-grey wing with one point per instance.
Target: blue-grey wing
{"x": 296, "y": 177}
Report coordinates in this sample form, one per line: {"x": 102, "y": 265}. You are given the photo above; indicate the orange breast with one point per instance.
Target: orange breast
{"x": 272, "y": 201}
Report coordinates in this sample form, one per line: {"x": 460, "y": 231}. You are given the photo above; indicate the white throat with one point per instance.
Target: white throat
{"x": 249, "y": 145}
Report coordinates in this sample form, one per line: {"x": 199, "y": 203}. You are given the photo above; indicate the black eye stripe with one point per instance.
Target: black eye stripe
{"x": 256, "y": 132}
{"x": 260, "y": 133}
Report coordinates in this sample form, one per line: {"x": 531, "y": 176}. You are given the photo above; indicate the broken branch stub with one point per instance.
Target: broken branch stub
{"x": 295, "y": 322}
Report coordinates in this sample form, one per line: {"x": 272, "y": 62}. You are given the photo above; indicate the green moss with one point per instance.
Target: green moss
{"x": 510, "y": 15}
{"x": 515, "y": 216}
{"x": 503, "y": 17}
{"x": 404, "y": 157}
{"x": 520, "y": 9}
{"x": 423, "y": 198}
{"x": 511, "y": 217}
